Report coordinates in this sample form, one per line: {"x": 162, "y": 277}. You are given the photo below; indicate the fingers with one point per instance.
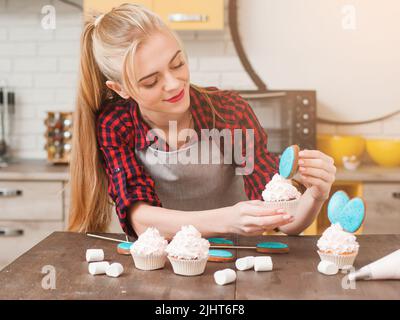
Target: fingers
{"x": 252, "y": 231}
{"x": 317, "y": 163}
{"x": 314, "y": 181}
{"x": 269, "y": 222}
{"x": 315, "y": 154}
{"x": 317, "y": 173}
{"x": 260, "y": 210}
{"x": 257, "y": 230}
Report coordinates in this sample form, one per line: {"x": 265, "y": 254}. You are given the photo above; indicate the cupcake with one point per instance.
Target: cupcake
{"x": 338, "y": 246}
{"x": 279, "y": 193}
{"x": 148, "y": 251}
{"x": 188, "y": 252}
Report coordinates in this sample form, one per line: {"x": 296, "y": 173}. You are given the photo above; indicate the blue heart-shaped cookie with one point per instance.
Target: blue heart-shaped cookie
{"x": 350, "y": 214}
{"x": 336, "y": 204}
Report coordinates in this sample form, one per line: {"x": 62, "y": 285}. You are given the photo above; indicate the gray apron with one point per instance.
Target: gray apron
{"x": 189, "y": 180}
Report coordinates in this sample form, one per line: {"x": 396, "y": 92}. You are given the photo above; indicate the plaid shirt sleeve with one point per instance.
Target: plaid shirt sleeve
{"x": 128, "y": 181}
{"x": 265, "y": 163}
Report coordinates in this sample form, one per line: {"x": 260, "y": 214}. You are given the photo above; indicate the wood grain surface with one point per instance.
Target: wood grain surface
{"x": 295, "y": 274}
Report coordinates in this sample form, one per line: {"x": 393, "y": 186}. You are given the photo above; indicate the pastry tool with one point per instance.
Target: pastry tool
{"x": 383, "y": 269}
{"x": 220, "y": 256}
{"x": 262, "y": 247}
{"x": 288, "y": 163}
{"x": 349, "y": 213}
{"x": 220, "y": 242}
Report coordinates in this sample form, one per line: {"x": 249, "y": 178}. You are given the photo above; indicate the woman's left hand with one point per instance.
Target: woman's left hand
{"x": 317, "y": 173}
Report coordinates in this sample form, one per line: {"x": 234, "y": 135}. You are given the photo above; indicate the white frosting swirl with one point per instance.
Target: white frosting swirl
{"x": 149, "y": 242}
{"x": 188, "y": 244}
{"x": 280, "y": 189}
{"x": 337, "y": 241}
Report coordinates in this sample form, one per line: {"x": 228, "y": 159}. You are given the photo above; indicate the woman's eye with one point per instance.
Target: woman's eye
{"x": 155, "y": 82}
{"x": 179, "y": 65}
{"x": 151, "y": 85}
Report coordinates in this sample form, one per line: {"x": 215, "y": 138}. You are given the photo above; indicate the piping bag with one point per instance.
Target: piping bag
{"x": 387, "y": 267}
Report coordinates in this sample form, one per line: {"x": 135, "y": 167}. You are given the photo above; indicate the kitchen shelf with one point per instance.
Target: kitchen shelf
{"x": 34, "y": 170}
{"x": 369, "y": 173}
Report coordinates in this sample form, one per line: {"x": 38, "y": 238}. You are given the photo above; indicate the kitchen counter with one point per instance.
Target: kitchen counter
{"x": 369, "y": 173}
{"x": 41, "y": 170}
{"x": 34, "y": 170}
{"x": 295, "y": 274}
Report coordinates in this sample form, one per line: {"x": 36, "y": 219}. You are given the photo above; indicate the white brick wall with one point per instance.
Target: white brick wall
{"x": 389, "y": 128}
{"x": 42, "y": 67}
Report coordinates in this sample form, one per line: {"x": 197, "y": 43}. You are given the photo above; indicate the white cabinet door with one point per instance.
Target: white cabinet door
{"x": 31, "y": 200}
{"x": 11, "y": 247}
{"x": 383, "y": 208}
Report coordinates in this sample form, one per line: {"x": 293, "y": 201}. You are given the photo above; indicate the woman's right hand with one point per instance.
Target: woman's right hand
{"x": 252, "y": 218}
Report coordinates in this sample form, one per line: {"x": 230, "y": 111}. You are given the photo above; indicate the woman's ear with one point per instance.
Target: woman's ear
{"x": 114, "y": 86}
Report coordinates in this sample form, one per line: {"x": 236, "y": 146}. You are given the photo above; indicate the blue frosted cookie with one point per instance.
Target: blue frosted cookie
{"x": 288, "y": 163}
{"x": 215, "y": 255}
{"x": 220, "y": 242}
{"x": 272, "y": 247}
{"x": 336, "y": 204}
{"x": 124, "y": 248}
{"x": 350, "y": 214}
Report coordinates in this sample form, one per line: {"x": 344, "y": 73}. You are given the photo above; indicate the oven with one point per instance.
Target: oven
{"x": 288, "y": 117}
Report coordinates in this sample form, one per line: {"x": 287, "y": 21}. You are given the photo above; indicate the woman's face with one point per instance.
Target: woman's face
{"x": 162, "y": 72}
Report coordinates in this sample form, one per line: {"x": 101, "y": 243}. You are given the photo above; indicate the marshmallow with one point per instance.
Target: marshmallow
{"x": 328, "y": 268}
{"x": 93, "y": 255}
{"x": 245, "y": 263}
{"x": 98, "y": 267}
{"x": 114, "y": 270}
{"x": 263, "y": 264}
{"x": 225, "y": 276}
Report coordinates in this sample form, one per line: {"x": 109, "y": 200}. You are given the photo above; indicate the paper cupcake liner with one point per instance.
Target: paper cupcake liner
{"x": 290, "y": 206}
{"x": 340, "y": 260}
{"x": 188, "y": 267}
{"x": 150, "y": 262}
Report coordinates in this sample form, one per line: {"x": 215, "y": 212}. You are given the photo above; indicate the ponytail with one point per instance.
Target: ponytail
{"x": 90, "y": 207}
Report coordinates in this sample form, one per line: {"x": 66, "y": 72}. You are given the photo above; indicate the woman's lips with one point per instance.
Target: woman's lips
{"x": 177, "y": 97}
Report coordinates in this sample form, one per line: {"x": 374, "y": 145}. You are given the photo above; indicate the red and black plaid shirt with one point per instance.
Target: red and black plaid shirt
{"x": 121, "y": 130}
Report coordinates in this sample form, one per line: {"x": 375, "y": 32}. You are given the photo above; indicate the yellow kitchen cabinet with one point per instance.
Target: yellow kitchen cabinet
{"x": 191, "y": 14}
{"x": 103, "y": 6}
{"x": 177, "y": 14}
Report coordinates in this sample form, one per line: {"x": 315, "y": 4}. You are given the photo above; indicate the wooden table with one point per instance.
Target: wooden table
{"x": 295, "y": 274}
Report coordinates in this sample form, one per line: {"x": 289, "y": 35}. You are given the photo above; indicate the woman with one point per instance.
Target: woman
{"x": 134, "y": 84}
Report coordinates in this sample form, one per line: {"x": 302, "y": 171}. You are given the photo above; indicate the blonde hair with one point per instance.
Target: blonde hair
{"x": 108, "y": 45}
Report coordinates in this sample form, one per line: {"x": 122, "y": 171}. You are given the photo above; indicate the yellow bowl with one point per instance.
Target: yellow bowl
{"x": 339, "y": 146}
{"x": 385, "y": 152}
